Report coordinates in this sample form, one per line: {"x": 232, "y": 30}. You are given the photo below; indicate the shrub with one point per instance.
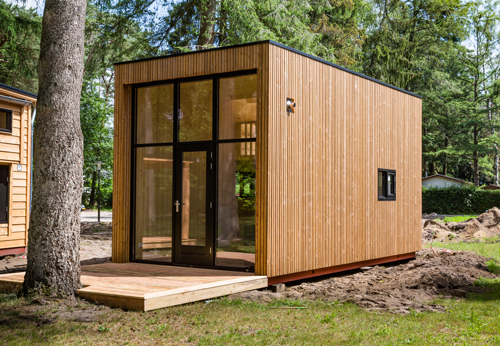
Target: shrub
{"x": 459, "y": 200}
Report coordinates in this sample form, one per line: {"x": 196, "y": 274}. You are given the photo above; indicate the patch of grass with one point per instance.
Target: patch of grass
{"x": 484, "y": 248}
{"x": 457, "y": 218}
{"x": 493, "y": 266}
{"x": 471, "y": 321}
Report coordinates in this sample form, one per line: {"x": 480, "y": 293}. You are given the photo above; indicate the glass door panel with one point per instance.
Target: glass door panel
{"x": 194, "y": 207}
{"x": 195, "y": 111}
{"x": 194, "y": 198}
{"x": 153, "y": 206}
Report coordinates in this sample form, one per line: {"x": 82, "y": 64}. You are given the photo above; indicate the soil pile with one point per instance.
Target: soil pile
{"x": 485, "y": 225}
{"x": 397, "y": 289}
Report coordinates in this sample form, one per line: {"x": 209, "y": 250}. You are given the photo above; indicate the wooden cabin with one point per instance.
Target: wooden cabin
{"x": 15, "y": 168}
{"x": 261, "y": 158}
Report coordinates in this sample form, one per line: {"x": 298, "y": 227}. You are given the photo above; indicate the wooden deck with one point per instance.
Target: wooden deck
{"x": 138, "y": 286}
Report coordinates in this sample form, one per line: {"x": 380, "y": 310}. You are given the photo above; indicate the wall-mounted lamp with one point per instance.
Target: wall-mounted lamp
{"x": 290, "y": 105}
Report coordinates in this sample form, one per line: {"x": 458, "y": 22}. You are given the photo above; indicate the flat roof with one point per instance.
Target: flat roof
{"x": 20, "y": 91}
{"x": 284, "y": 47}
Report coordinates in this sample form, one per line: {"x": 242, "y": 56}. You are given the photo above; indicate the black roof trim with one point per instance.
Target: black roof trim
{"x": 284, "y": 47}
{"x": 11, "y": 88}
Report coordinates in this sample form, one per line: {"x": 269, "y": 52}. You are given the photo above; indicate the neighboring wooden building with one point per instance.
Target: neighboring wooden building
{"x": 490, "y": 187}
{"x": 15, "y": 168}
{"x": 442, "y": 181}
{"x": 262, "y": 158}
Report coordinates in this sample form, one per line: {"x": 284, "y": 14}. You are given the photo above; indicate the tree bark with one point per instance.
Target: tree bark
{"x": 475, "y": 156}
{"x": 54, "y": 241}
{"x": 207, "y": 24}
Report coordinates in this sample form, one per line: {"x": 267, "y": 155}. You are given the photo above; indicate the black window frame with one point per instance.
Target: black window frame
{"x": 386, "y": 194}
{"x": 9, "y": 120}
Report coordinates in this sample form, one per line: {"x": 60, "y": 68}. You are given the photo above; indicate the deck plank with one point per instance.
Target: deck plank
{"x": 140, "y": 286}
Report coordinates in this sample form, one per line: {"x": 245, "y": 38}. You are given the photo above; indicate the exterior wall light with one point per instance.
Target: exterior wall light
{"x": 290, "y": 106}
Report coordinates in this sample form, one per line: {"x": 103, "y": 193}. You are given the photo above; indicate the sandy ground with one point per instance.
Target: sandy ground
{"x": 398, "y": 289}
{"x": 95, "y": 247}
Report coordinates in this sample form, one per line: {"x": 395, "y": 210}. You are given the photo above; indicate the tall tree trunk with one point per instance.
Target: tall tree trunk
{"x": 207, "y": 23}
{"x": 475, "y": 157}
{"x": 445, "y": 163}
{"x": 54, "y": 241}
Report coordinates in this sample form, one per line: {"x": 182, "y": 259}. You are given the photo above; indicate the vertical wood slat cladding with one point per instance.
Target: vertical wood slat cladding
{"x": 323, "y": 160}
{"x": 317, "y": 198}
{"x": 163, "y": 69}
{"x": 15, "y": 149}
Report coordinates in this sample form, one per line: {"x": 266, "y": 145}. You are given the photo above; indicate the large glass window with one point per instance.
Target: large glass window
{"x": 153, "y": 198}
{"x": 238, "y": 107}
{"x": 236, "y": 212}
{"x": 155, "y": 114}
{"x": 195, "y": 111}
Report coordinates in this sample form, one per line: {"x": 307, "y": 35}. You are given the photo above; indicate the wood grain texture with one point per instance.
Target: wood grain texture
{"x": 15, "y": 149}
{"x": 323, "y": 207}
{"x": 316, "y": 194}
{"x": 145, "y": 287}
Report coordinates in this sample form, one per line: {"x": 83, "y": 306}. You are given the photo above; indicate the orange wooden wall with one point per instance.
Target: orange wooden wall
{"x": 15, "y": 148}
{"x": 323, "y": 207}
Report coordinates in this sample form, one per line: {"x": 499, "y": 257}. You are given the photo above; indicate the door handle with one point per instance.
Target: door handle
{"x": 177, "y": 204}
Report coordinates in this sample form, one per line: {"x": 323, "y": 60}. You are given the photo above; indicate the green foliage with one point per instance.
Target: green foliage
{"x": 96, "y": 117}
{"x": 20, "y": 33}
{"x": 459, "y": 200}
{"x": 458, "y": 218}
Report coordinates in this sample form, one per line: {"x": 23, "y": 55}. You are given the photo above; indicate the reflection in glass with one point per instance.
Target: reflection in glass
{"x": 153, "y": 196}
{"x": 155, "y": 114}
{"x": 381, "y": 184}
{"x": 195, "y": 111}
{"x": 194, "y": 193}
{"x": 4, "y": 120}
{"x": 236, "y": 209}
{"x": 238, "y": 107}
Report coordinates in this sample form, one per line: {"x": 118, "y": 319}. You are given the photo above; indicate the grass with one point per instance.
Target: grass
{"x": 473, "y": 321}
{"x": 488, "y": 247}
{"x": 470, "y": 321}
{"x": 457, "y": 218}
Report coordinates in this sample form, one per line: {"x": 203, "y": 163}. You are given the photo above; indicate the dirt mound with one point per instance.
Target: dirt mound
{"x": 397, "y": 289}
{"x": 485, "y": 225}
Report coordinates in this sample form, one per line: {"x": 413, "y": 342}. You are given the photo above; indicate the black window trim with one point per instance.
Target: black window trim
{"x": 9, "y": 120}
{"x": 387, "y": 196}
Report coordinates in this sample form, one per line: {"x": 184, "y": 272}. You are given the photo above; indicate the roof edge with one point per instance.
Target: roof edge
{"x": 20, "y": 91}
{"x": 284, "y": 47}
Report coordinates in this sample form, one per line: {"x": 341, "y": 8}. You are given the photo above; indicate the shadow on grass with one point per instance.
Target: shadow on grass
{"x": 493, "y": 293}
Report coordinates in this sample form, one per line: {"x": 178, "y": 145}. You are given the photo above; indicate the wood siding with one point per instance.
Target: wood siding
{"x": 164, "y": 69}
{"x": 323, "y": 162}
{"x": 15, "y": 149}
{"x": 316, "y": 200}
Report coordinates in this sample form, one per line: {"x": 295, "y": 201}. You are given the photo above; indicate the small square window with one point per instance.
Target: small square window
{"x": 386, "y": 185}
{"x": 5, "y": 120}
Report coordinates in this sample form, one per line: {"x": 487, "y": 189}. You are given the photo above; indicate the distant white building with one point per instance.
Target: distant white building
{"x": 441, "y": 181}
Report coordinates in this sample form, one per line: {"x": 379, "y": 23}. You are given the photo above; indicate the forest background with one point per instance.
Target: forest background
{"x": 444, "y": 50}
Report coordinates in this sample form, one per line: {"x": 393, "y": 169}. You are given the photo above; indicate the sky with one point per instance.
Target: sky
{"x": 38, "y": 4}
